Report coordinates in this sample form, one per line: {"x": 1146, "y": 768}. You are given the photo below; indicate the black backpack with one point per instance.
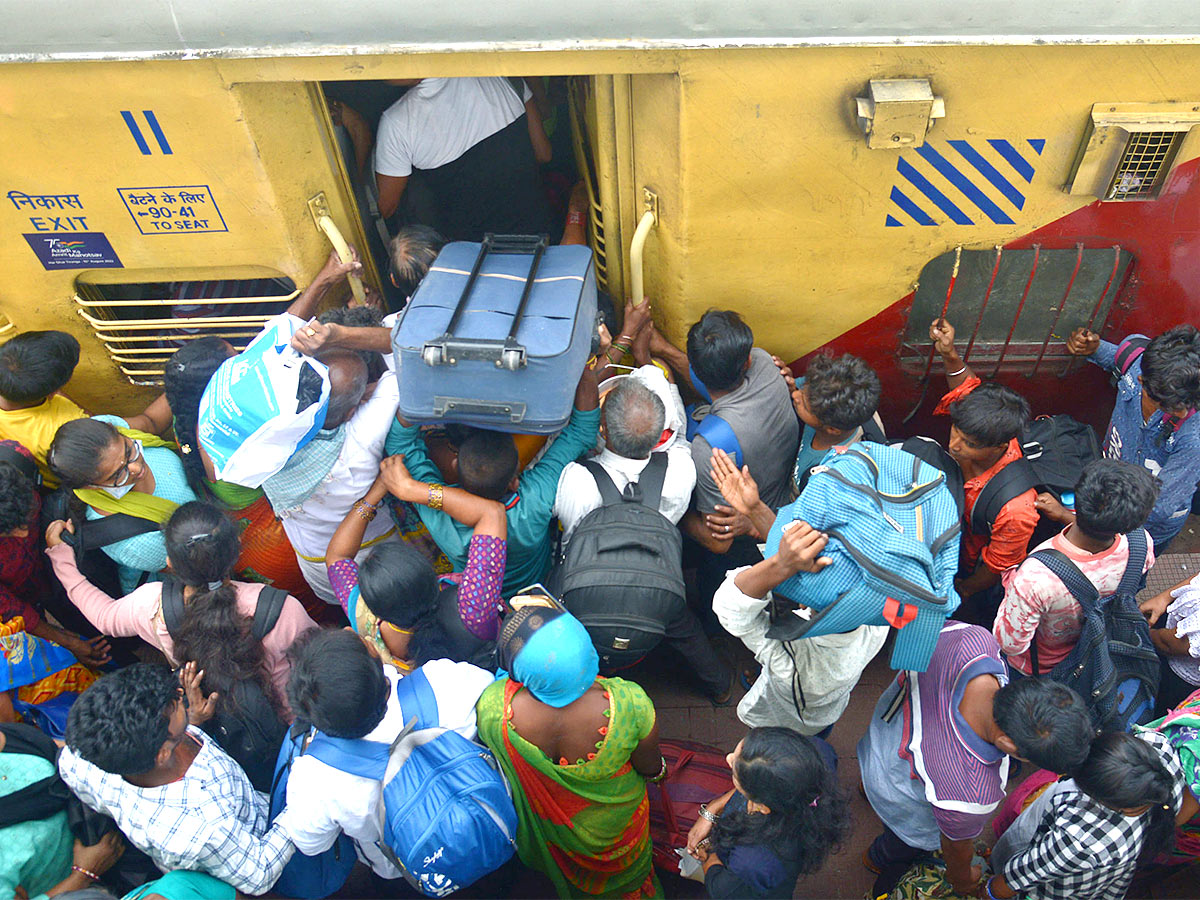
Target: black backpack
{"x": 1055, "y": 450}
{"x": 246, "y": 725}
{"x": 1114, "y": 666}
{"x": 622, "y": 572}
{"x": 460, "y": 644}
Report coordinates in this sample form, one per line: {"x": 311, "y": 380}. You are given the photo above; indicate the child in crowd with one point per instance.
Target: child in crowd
{"x": 488, "y": 467}
{"x": 1039, "y": 616}
{"x": 34, "y": 367}
{"x": 836, "y": 401}
{"x": 1152, "y": 422}
{"x": 987, "y": 420}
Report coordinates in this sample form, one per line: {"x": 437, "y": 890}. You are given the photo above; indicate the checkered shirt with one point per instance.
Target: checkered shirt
{"x": 1083, "y": 850}
{"x": 211, "y": 820}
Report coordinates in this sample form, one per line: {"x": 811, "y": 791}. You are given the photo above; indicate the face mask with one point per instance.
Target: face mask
{"x": 117, "y": 492}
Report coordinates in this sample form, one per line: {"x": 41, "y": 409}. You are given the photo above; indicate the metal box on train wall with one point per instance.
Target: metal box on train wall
{"x": 497, "y": 335}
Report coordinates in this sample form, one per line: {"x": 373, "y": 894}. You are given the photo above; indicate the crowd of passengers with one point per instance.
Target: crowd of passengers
{"x": 144, "y": 675}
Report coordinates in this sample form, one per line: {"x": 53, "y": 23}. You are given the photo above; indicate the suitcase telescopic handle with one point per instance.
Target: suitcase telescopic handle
{"x": 506, "y": 354}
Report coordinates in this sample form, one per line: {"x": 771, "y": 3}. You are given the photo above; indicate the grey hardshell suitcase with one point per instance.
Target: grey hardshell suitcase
{"x": 497, "y": 334}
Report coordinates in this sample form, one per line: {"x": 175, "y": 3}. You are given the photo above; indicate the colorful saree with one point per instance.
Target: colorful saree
{"x": 1181, "y": 726}
{"x": 584, "y": 824}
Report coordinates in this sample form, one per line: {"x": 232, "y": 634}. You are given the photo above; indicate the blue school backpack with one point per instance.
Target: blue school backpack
{"x": 893, "y": 529}
{"x": 448, "y": 815}
{"x": 307, "y": 877}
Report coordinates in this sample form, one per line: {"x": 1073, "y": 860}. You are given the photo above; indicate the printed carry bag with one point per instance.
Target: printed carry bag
{"x": 262, "y": 405}
{"x": 893, "y": 531}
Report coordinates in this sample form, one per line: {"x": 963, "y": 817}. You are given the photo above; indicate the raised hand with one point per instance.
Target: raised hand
{"x": 737, "y": 486}
{"x": 941, "y": 332}
{"x": 200, "y": 707}
{"x": 1083, "y": 342}
{"x": 800, "y": 548}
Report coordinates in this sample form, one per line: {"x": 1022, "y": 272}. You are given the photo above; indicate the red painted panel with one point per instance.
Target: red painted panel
{"x": 1162, "y": 289}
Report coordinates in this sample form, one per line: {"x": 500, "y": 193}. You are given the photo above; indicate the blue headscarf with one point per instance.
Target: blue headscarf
{"x": 549, "y": 651}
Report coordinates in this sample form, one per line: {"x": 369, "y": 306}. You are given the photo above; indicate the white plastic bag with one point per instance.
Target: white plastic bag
{"x": 250, "y": 423}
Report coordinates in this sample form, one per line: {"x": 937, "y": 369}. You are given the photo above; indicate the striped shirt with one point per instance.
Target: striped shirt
{"x": 925, "y": 771}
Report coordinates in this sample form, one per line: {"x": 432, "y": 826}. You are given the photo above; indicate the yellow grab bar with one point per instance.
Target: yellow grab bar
{"x": 343, "y": 251}
{"x": 636, "y": 246}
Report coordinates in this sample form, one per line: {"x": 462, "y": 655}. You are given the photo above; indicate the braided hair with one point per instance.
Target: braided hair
{"x": 185, "y": 376}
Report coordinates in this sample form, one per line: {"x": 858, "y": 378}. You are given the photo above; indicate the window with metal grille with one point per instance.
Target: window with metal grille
{"x": 142, "y": 323}
{"x": 1144, "y": 164}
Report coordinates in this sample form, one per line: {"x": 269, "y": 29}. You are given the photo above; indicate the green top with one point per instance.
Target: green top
{"x": 183, "y": 885}
{"x": 584, "y": 823}
{"x": 233, "y": 495}
{"x": 529, "y": 510}
{"x": 35, "y": 855}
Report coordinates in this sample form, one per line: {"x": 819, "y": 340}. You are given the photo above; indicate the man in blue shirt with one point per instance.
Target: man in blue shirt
{"x": 488, "y": 467}
{"x": 1153, "y": 422}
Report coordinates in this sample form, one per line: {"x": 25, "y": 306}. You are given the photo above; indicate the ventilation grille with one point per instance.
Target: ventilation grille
{"x": 141, "y": 325}
{"x": 1144, "y": 165}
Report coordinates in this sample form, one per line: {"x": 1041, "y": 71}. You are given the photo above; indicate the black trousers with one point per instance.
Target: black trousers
{"x": 688, "y": 638}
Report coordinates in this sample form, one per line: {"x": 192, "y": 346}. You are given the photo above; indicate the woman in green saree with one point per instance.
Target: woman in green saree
{"x": 577, "y": 750}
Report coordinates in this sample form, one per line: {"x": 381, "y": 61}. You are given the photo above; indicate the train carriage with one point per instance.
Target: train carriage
{"x": 839, "y": 173}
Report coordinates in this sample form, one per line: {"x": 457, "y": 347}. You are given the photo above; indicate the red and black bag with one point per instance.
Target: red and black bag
{"x": 696, "y": 773}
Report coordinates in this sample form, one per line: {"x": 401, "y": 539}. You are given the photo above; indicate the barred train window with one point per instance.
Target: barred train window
{"x": 142, "y": 323}
{"x": 1144, "y": 164}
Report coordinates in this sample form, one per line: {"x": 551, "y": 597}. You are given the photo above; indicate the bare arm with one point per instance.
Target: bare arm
{"x": 799, "y": 551}
{"x": 347, "y": 540}
{"x": 391, "y": 189}
{"x": 941, "y": 333}
{"x": 305, "y": 306}
{"x": 483, "y": 516}
{"x": 663, "y": 349}
{"x": 542, "y": 151}
{"x": 317, "y": 336}
{"x": 697, "y": 529}
{"x": 1156, "y": 607}
{"x": 155, "y": 418}
{"x": 981, "y": 579}
{"x": 646, "y": 757}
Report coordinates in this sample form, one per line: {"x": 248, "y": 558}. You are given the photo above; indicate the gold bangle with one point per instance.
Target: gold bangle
{"x": 398, "y": 630}
{"x": 366, "y": 510}
{"x": 435, "y": 496}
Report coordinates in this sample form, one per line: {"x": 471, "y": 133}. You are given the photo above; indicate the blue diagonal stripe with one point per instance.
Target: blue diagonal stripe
{"x": 922, "y": 184}
{"x": 988, "y": 171}
{"x": 919, "y": 215}
{"x": 893, "y": 222}
{"x": 1015, "y": 159}
{"x": 158, "y": 132}
{"x": 960, "y": 181}
{"x": 132, "y": 125}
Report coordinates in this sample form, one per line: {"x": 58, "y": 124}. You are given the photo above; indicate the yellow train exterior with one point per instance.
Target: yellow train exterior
{"x": 769, "y": 198}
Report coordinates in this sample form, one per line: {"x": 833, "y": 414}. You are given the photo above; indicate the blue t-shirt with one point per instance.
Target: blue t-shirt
{"x": 1170, "y": 453}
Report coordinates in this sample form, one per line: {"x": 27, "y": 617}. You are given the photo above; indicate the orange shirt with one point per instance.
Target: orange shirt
{"x": 1011, "y": 532}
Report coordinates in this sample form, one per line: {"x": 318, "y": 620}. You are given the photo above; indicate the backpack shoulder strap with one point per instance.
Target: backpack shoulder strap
{"x": 872, "y": 430}
{"x": 1010, "y": 482}
{"x": 97, "y": 533}
{"x": 720, "y": 434}
{"x": 266, "y": 613}
{"x": 1068, "y": 573}
{"x": 1131, "y": 581}
{"x": 416, "y": 698}
{"x": 651, "y": 480}
{"x": 1128, "y": 352}
{"x": 366, "y": 759}
{"x": 172, "y": 604}
{"x": 609, "y": 495}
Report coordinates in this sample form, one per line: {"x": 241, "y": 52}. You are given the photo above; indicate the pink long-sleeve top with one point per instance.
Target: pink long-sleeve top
{"x": 140, "y": 613}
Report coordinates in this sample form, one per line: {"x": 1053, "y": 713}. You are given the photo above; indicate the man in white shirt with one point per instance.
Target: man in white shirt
{"x": 357, "y": 699}
{"x": 474, "y": 145}
{"x": 631, "y": 425}
{"x": 805, "y": 684}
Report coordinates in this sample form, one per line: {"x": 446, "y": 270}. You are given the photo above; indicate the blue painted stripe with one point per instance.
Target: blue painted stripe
{"x": 919, "y": 215}
{"x": 922, "y": 184}
{"x": 1038, "y": 144}
{"x": 893, "y": 222}
{"x": 988, "y": 171}
{"x": 132, "y": 125}
{"x": 158, "y": 132}
{"x": 1015, "y": 159}
{"x": 960, "y": 181}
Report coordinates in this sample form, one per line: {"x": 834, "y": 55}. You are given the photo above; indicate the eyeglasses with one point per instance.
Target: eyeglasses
{"x": 120, "y": 478}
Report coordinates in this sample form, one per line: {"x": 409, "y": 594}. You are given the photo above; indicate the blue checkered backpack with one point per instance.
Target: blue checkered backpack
{"x": 893, "y": 529}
